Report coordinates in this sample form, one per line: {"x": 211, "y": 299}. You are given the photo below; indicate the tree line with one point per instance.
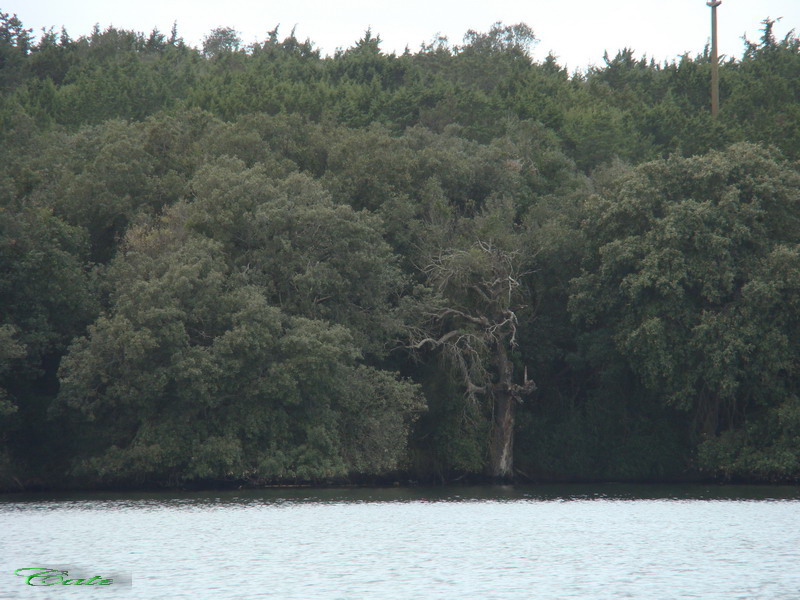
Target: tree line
{"x": 257, "y": 264}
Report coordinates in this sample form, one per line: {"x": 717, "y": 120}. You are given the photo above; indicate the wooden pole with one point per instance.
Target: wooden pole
{"x": 714, "y": 58}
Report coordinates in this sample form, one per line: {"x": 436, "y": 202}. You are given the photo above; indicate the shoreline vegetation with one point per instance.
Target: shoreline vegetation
{"x": 630, "y": 486}
{"x": 254, "y": 265}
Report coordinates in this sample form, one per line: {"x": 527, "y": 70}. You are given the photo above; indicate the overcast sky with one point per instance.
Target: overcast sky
{"x": 578, "y": 32}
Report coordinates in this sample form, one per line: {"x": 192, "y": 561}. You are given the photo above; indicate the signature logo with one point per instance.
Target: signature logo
{"x": 38, "y": 576}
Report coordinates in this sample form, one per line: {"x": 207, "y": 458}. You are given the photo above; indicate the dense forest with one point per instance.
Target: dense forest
{"x": 254, "y": 264}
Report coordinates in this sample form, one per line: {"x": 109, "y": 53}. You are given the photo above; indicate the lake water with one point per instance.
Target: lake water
{"x": 449, "y": 543}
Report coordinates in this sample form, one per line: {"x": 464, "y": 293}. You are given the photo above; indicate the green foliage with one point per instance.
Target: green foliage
{"x": 15, "y": 44}
{"x": 45, "y": 301}
{"x": 615, "y": 434}
{"x": 766, "y": 449}
{"x": 220, "y": 41}
{"x": 691, "y": 275}
{"x": 10, "y": 349}
{"x": 311, "y": 257}
{"x": 249, "y": 219}
{"x": 44, "y": 287}
{"x": 192, "y": 374}
{"x": 108, "y": 178}
{"x": 597, "y": 135}
{"x": 763, "y": 96}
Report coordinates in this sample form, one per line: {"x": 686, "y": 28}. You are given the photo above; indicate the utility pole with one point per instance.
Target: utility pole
{"x": 714, "y": 58}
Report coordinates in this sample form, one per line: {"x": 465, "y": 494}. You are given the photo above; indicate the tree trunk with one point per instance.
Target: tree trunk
{"x": 501, "y": 462}
{"x": 501, "y": 459}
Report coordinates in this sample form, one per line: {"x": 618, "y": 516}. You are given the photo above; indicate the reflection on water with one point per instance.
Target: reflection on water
{"x": 510, "y": 542}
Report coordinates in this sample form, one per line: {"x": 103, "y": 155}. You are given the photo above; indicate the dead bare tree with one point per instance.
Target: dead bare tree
{"x": 471, "y": 318}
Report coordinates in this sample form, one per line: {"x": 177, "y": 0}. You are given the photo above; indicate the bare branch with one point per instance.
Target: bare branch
{"x": 434, "y": 342}
{"x": 482, "y": 320}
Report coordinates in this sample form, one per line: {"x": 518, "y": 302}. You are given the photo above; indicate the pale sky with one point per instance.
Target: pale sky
{"x": 578, "y": 32}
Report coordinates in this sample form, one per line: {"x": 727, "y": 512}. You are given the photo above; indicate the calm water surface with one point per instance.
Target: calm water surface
{"x": 606, "y": 542}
